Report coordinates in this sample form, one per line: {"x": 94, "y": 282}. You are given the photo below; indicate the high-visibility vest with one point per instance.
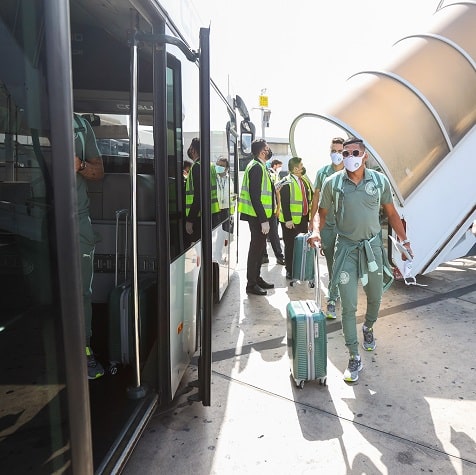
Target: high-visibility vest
{"x": 215, "y": 206}
{"x": 296, "y": 200}
{"x": 189, "y": 190}
{"x": 244, "y": 204}
{"x": 305, "y": 179}
{"x": 232, "y": 200}
{"x": 274, "y": 176}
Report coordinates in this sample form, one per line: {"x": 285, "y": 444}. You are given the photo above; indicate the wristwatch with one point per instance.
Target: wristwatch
{"x": 82, "y": 166}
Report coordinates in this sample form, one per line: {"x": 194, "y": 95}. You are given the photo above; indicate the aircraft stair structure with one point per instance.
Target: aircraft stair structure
{"x": 417, "y": 117}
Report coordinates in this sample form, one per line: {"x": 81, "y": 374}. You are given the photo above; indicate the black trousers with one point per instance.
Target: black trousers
{"x": 273, "y": 237}
{"x": 255, "y": 252}
{"x": 189, "y": 239}
{"x": 288, "y": 238}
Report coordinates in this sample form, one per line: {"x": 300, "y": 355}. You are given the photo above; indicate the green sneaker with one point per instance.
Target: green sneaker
{"x": 369, "y": 340}
{"x": 95, "y": 369}
{"x": 331, "y": 310}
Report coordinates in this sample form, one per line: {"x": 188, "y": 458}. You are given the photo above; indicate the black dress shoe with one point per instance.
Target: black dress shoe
{"x": 255, "y": 290}
{"x": 280, "y": 260}
{"x": 263, "y": 284}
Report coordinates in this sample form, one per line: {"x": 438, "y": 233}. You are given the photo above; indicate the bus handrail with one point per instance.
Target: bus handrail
{"x": 190, "y": 54}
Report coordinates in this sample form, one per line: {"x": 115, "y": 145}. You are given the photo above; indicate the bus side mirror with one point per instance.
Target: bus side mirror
{"x": 246, "y": 140}
{"x": 247, "y": 135}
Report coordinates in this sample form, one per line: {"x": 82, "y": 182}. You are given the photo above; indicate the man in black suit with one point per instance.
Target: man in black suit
{"x": 256, "y": 205}
{"x": 296, "y": 198}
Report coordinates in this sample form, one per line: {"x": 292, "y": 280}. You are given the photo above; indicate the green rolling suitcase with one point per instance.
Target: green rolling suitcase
{"x": 306, "y": 341}
{"x": 307, "y": 337}
{"x": 303, "y": 260}
{"x": 121, "y": 322}
{"x": 121, "y": 334}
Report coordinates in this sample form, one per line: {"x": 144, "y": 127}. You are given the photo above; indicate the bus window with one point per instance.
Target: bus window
{"x": 175, "y": 156}
{"x": 54, "y": 419}
{"x": 33, "y": 409}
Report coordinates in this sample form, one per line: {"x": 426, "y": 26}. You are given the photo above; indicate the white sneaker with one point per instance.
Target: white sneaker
{"x": 351, "y": 373}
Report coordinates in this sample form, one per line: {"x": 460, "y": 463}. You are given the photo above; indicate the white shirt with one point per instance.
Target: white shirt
{"x": 224, "y": 190}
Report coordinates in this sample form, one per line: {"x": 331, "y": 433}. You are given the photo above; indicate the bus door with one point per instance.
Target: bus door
{"x": 181, "y": 101}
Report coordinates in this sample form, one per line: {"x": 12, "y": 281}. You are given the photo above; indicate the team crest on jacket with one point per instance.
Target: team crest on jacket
{"x": 370, "y": 188}
{"x": 344, "y": 278}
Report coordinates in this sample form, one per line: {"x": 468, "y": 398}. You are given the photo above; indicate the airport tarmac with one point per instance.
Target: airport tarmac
{"x": 412, "y": 411}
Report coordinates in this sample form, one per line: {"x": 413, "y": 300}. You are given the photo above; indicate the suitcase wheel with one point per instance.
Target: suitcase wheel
{"x": 312, "y": 284}
{"x": 323, "y": 381}
{"x": 300, "y": 384}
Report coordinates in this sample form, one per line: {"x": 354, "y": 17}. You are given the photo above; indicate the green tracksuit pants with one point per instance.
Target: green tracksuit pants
{"x": 328, "y": 241}
{"x": 349, "y": 266}
{"x": 86, "y": 246}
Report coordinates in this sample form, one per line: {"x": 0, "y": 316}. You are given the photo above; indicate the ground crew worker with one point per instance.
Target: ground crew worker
{"x": 328, "y": 232}
{"x": 88, "y": 166}
{"x": 296, "y": 196}
{"x": 225, "y": 193}
{"x": 273, "y": 236}
{"x": 256, "y": 205}
{"x": 187, "y": 164}
{"x": 192, "y": 194}
{"x": 356, "y": 194}
{"x": 226, "y": 201}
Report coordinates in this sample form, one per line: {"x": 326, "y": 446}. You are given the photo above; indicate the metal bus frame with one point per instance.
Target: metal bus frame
{"x": 65, "y": 243}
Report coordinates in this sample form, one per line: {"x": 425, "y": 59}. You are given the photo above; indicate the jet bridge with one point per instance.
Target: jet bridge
{"x": 417, "y": 116}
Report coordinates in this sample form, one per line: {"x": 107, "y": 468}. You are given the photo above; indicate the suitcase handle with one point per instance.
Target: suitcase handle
{"x": 317, "y": 278}
{"x": 119, "y": 213}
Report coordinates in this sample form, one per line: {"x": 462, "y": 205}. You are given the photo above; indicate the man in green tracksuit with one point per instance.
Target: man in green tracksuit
{"x": 328, "y": 233}
{"x": 356, "y": 194}
{"x": 88, "y": 166}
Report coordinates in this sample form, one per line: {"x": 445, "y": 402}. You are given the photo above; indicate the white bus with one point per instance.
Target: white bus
{"x": 138, "y": 72}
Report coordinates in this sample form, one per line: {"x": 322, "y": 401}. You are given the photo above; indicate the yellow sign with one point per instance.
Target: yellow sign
{"x": 263, "y": 101}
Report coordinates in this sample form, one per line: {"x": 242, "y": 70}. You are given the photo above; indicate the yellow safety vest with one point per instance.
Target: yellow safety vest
{"x": 296, "y": 200}
{"x": 244, "y": 203}
{"x": 189, "y": 190}
{"x": 232, "y": 197}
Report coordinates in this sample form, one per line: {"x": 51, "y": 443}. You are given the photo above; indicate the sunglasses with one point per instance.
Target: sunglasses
{"x": 355, "y": 153}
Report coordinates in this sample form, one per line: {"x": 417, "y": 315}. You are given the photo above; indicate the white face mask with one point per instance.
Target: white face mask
{"x": 336, "y": 158}
{"x": 352, "y": 163}
{"x": 278, "y": 170}
{"x": 219, "y": 169}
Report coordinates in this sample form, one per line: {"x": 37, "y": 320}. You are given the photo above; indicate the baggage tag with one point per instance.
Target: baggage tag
{"x": 313, "y": 309}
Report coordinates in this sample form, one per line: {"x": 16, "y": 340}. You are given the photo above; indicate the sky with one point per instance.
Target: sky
{"x": 301, "y": 56}
{"x": 301, "y": 52}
